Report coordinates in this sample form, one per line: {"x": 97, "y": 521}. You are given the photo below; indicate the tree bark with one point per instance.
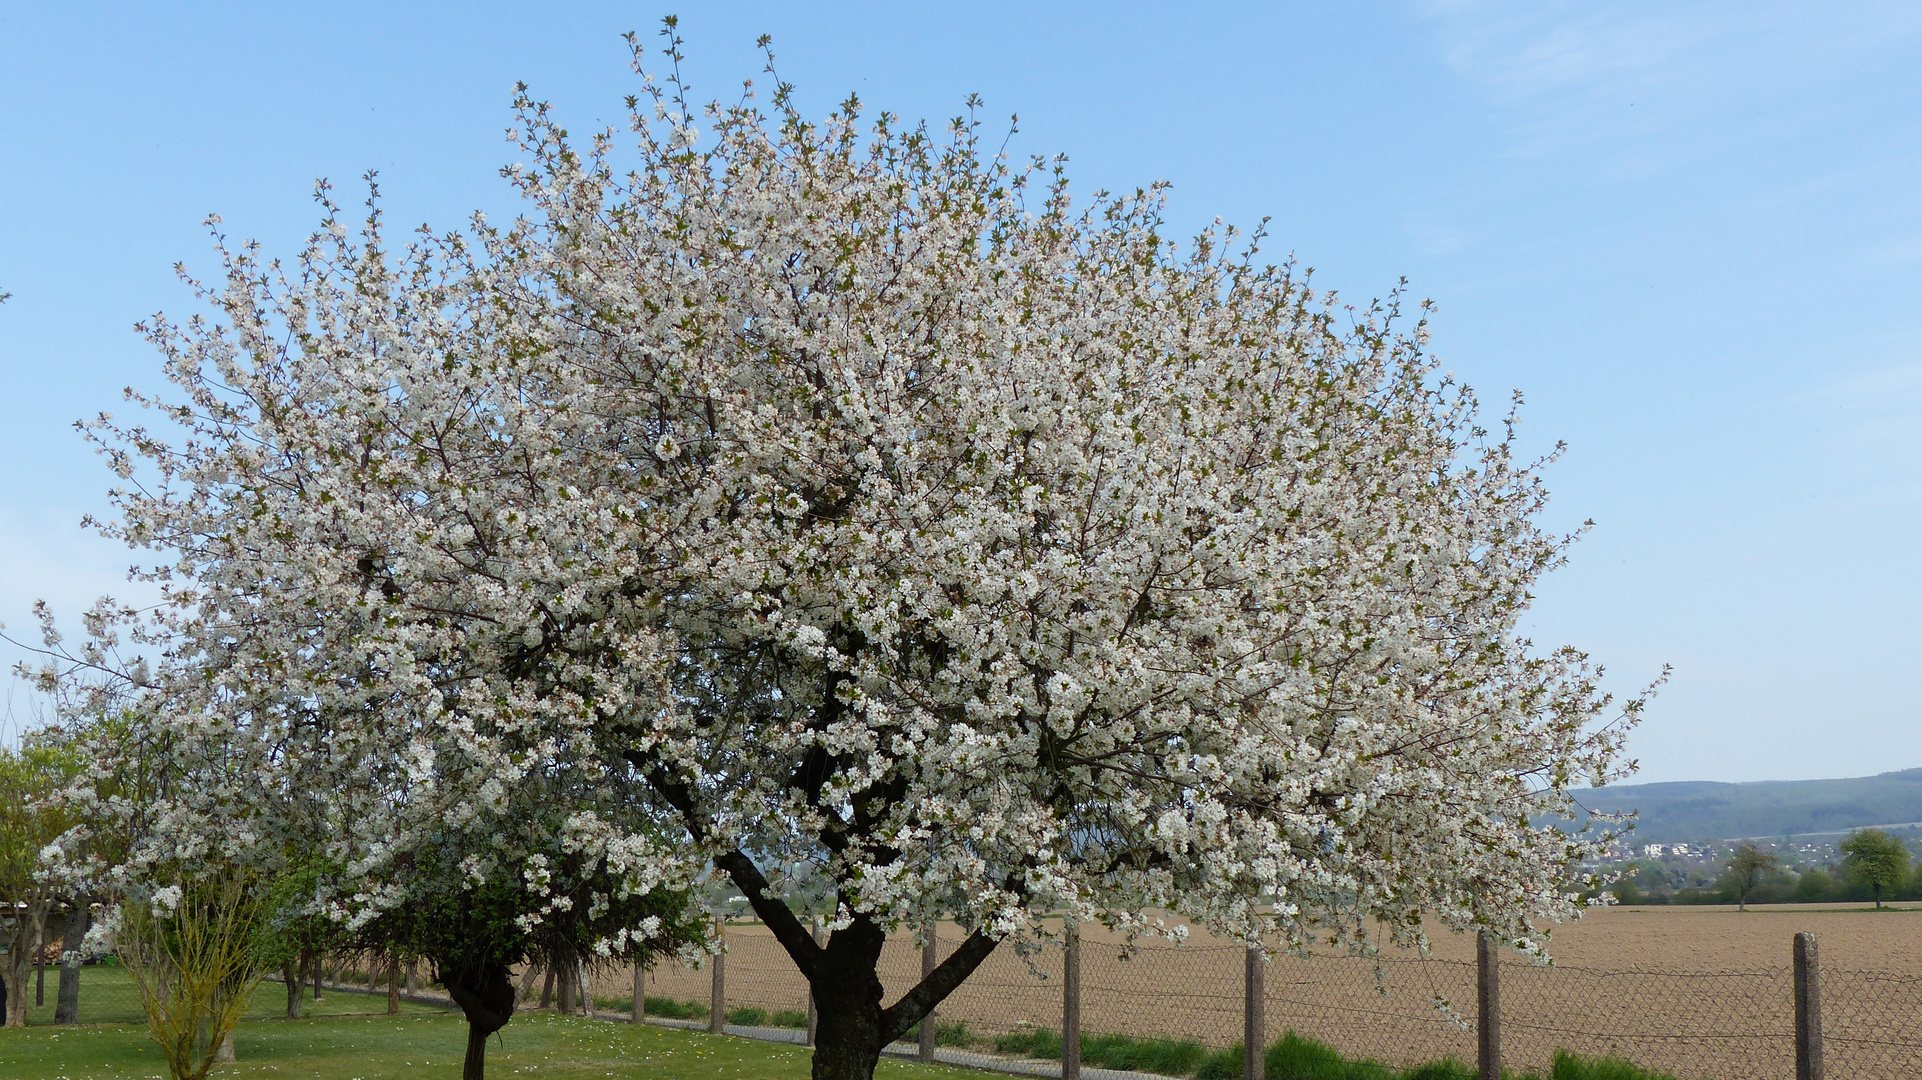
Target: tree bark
{"x": 485, "y": 994}
{"x": 66, "y": 1006}
{"x": 40, "y": 968}
{"x": 290, "y": 974}
{"x": 565, "y": 984}
{"x": 12, "y": 974}
{"x": 17, "y": 969}
{"x": 393, "y": 986}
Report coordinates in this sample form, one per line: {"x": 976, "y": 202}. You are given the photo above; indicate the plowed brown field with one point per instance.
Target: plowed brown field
{"x": 1702, "y": 992}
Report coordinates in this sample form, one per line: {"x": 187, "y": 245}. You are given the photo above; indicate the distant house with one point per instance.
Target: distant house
{"x": 1653, "y": 851}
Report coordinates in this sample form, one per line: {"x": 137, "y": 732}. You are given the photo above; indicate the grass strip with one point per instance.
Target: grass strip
{"x": 1294, "y": 1057}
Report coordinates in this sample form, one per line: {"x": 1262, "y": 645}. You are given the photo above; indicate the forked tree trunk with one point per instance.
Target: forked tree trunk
{"x": 853, "y": 1026}
{"x": 485, "y": 994}
{"x": 849, "y": 1037}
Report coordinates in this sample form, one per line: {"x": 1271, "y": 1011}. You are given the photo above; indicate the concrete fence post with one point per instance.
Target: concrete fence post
{"x": 930, "y": 958}
{"x": 638, "y": 1010}
{"x": 1071, "y": 1005}
{"x": 1488, "y": 1006}
{"x": 1808, "y": 1009}
{"x": 814, "y": 1019}
{"x": 717, "y": 1016}
{"x": 1254, "y": 1015}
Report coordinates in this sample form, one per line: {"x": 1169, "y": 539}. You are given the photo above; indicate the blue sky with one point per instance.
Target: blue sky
{"x": 1691, "y": 234}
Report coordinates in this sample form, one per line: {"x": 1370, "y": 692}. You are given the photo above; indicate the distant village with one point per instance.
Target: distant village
{"x": 1809, "y": 868}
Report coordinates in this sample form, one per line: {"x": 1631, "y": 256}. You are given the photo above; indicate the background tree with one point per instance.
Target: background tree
{"x": 837, "y": 495}
{"x": 298, "y": 930}
{"x": 30, "y": 818}
{"x": 1813, "y": 886}
{"x": 1873, "y": 858}
{"x": 476, "y": 936}
{"x": 1746, "y": 869}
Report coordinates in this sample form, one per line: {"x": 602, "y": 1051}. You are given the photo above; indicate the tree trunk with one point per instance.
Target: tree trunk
{"x": 1878, "y": 896}
{"x": 290, "y": 974}
{"x": 849, "y": 1036}
{"x": 528, "y": 979}
{"x": 313, "y": 966}
{"x": 393, "y": 986}
{"x": 565, "y": 983}
{"x": 485, "y": 994}
{"x": 13, "y": 970}
{"x": 852, "y": 1027}
{"x": 66, "y": 1006}
{"x": 475, "y": 1066}
{"x": 547, "y": 989}
{"x": 40, "y": 968}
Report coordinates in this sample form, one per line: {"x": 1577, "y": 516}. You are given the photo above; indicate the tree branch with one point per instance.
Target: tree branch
{"x": 773, "y": 911}
{"x": 916, "y": 1004}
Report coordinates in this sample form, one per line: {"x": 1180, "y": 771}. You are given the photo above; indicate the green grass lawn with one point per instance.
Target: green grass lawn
{"x": 421, "y": 1045}
{"x": 108, "y": 996}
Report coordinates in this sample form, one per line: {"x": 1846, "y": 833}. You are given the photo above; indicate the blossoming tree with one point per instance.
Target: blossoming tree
{"x": 856, "y": 502}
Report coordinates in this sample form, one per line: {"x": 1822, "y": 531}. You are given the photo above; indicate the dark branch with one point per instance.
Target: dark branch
{"x": 917, "y": 1003}
{"x": 773, "y": 911}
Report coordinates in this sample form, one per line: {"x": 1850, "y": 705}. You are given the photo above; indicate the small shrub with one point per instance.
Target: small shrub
{"x": 788, "y": 1018}
{"x": 1031, "y": 1042}
{"x": 955, "y": 1034}
{"x": 1168, "y": 1057}
{"x": 1570, "y": 1067}
{"x": 676, "y": 1010}
{"x": 1221, "y": 1065}
{"x": 1298, "y": 1058}
{"x": 1445, "y": 1069}
{"x": 748, "y": 1016}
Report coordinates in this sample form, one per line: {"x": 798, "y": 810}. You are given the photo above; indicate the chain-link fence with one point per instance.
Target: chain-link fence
{"x": 1723, "y": 1025}
{"x": 1401, "y": 1011}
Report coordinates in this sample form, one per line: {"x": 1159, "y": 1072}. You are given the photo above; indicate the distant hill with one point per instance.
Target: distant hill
{"x": 1703, "y": 810}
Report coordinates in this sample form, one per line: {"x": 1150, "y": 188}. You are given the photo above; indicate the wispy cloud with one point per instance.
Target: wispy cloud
{"x": 1673, "y": 80}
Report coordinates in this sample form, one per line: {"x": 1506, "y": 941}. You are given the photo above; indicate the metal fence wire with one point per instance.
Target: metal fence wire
{"x": 1400, "y": 1011}
{"x": 1698, "y": 1025}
